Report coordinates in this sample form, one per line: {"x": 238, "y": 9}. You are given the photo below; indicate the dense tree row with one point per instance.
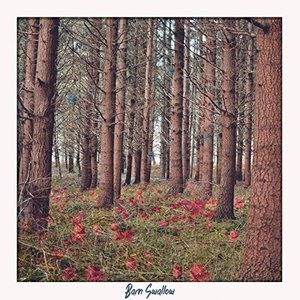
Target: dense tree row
{"x": 114, "y": 96}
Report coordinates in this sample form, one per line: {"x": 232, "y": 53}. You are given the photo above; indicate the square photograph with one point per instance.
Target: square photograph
{"x": 149, "y": 150}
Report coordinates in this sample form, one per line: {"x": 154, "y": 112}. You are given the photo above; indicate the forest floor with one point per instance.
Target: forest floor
{"x": 148, "y": 236}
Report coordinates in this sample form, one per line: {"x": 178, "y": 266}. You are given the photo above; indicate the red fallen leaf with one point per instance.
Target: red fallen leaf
{"x": 156, "y": 209}
{"x": 141, "y": 201}
{"x": 164, "y": 223}
{"x": 67, "y": 243}
{"x": 94, "y": 274}
{"x": 177, "y": 272}
{"x": 69, "y": 274}
{"x": 208, "y": 214}
{"x": 92, "y": 193}
{"x": 125, "y": 215}
{"x": 114, "y": 227}
{"x": 150, "y": 263}
{"x": 159, "y": 191}
{"x": 131, "y": 264}
{"x": 132, "y": 202}
{"x": 147, "y": 253}
{"x": 119, "y": 210}
{"x": 138, "y": 192}
{"x": 126, "y": 235}
{"x": 233, "y": 236}
{"x": 96, "y": 230}
{"x": 198, "y": 273}
{"x": 238, "y": 203}
{"x": 175, "y": 219}
{"x": 78, "y": 218}
{"x": 208, "y": 225}
{"x": 74, "y": 253}
{"x": 144, "y": 216}
{"x": 78, "y": 232}
{"x": 211, "y": 203}
{"x": 57, "y": 254}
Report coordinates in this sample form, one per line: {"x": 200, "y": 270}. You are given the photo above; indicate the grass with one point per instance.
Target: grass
{"x": 186, "y": 242}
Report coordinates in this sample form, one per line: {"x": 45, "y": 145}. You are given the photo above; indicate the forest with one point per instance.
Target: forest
{"x": 149, "y": 149}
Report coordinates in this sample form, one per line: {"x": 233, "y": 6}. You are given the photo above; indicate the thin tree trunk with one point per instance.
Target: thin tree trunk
{"x": 176, "y": 176}
{"x": 120, "y": 108}
{"x": 248, "y": 111}
{"x": 262, "y": 256}
{"x": 78, "y": 164}
{"x": 208, "y": 122}
{"x": 71, "y": 157}
{"x": 43, "y": 124}
{"x": 106, "y": 195}
{"x": 186, "y": 137}
{"x": 228, "y": 121}
{"x": 28, "y": 106}
{"x": 219, "y": 157}
{"x": 147, "y": 102}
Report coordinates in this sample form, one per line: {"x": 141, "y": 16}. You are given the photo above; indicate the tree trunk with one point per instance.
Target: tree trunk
{"x": 137, "y": 166}
{"x": 78, "y": 164}
{"x": 147, "y": 103}
{"x": 120, "y": 107}
{"x": 186, "y": 137}
{"x": 208, "y": 122}
{"x": 28, "y": 106}
{"x": 71, "y": 157}
{"x": 219, "y": 157}
{"x": 43, "y": 124}
{"x": 228, "y": 121}
{"x": 176, "y": 176}
{"x": 262, "y": 257}
{"x": 106, "y": 195}
{"x": 248, "y": 112}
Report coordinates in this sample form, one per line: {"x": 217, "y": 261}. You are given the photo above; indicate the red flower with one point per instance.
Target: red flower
{"x": 164, "y": 223}
{"x": 177, "y": 272}
{"x": 78, "y": 232}
{"x": 78, "y": 218}
{"x": 233, "y": 236}
{"x": 114, "y": 227}
{"x": 57, "y": 254}
{"x": 69, "y": 274}
{"x": 131, "y": 264}
{"x": 96, "y": 230}
{"x": 94, "y": 274}
{"x": 239, "y": 203}
{"x": 198, "y": 273}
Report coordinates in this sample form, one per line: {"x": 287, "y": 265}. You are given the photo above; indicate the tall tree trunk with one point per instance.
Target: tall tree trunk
{"x": 208, "y": 122}
{"x": 130, "y": 138}
{"x": 43, "y": 124}
{"x": 186, "y": 137}
{"x": 219, "y": 157}
{"x": 248, "y": 111}
{"x": 147, "y": 102}
{"x": 106, "y": 195}
{"x": 120, "y": 107}
{"x": 78, "y": 164}
{"x": 262, "y": 257}
{"x": 28, "y": 106}
{"x": 228, "y": 121}
{"x": 176, "y": 176}
{"x": 137, "y": 166}
{"x": 71, "y": 154}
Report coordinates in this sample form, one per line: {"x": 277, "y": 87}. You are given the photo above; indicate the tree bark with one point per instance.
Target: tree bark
{"x": 208, "y": 122}
{"x": 43, "y": 124}
{"x": 228, "y": 121}
{"x": 176, "y": 176}
{"x": 106, "y": 195}
{"x": 28, "y": 106}
{"x": 262, "y": 256}
{"x": 120, "y": 107}
{"x": 248, "y": 111}
{"x": 186, "y": 137}
{"x": 147, "y": 103}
